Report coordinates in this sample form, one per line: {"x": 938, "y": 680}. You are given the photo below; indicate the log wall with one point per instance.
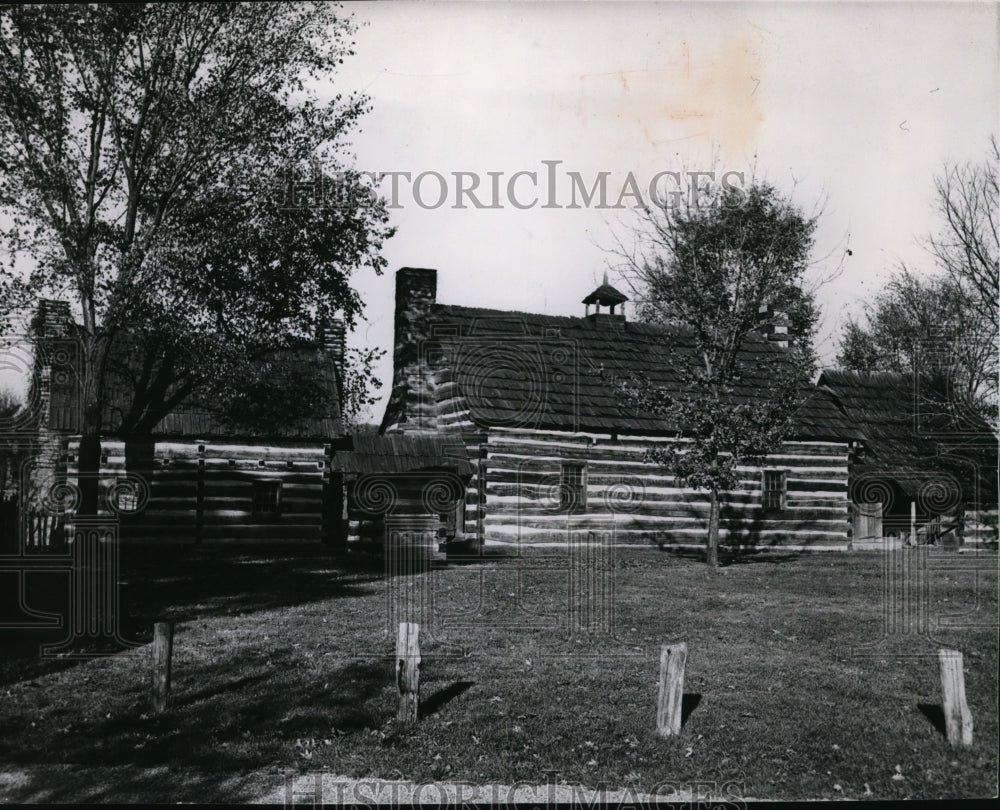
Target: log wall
{"x": 646, "y": 505}
{"x": 204, "y": 492}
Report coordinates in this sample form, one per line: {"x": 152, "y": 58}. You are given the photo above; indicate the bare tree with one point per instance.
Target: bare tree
{"x": 945, "y": 323}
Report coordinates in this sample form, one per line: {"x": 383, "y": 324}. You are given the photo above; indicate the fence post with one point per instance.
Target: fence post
{"x": 408, "y": 672}
{"x": 668, "y": 708}
{"x": 957, "y": 717}
{"x": 163, "y": 643}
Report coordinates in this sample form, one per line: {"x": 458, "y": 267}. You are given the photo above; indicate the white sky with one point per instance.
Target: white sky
{"x": 857, "y": 103}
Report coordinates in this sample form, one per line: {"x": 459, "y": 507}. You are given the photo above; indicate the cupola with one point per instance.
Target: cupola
{"x": 605, "y": 296}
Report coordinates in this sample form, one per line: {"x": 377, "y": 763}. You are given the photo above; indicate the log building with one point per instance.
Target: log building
{"x": 553, "y": 451}
{"x": 200, "y": 475}
{"x": 928, "y": 470}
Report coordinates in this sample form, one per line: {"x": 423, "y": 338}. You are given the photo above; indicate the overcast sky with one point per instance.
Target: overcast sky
{"x": 857, "y": 105}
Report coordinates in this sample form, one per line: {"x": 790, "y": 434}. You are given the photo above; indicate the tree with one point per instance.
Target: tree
{"x": 723, "y": 268}
{"x": 943, "y": 324}
{"x": 144, "y": 154}
{"x": 11, "y": 453}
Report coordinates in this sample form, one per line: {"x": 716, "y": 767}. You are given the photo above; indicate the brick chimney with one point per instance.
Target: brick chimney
{"x": 775, "y": 327}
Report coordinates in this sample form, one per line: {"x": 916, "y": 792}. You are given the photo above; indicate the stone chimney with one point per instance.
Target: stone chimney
{"x": 416, "y": 292}
{"x": 332, "y": 338}
{"x": 775, "y": 326}
{"x": 412, "y": 403}
{"x": 53, "y": 319}
{"x": 55, "y": 397}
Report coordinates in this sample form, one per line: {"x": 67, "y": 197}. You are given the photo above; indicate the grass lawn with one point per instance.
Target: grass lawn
{"x": 283, "y": 662}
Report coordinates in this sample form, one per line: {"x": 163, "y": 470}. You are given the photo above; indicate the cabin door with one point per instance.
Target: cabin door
{"x": 868, "y": 521}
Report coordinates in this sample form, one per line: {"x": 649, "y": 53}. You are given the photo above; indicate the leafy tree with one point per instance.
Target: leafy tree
{"x": 11, "y": 453}
{"x": 945, "y": 323}
{"x": 722, "y": 269}
{"x": 10, "y": 402}
{"x": 144, "y": 157}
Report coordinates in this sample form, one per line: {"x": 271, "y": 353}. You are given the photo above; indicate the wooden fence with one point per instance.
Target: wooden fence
{"x": 44, "y": 532}
{"x": 31, "y": 532}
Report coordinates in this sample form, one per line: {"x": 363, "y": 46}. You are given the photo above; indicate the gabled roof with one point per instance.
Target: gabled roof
{"x": 526, "y": 369}
{"x": 913, "y": 430}
{"x": 197, "y": 416}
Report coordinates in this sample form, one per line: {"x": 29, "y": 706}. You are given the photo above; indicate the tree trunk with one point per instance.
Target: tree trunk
{"x": 712, "y": 547}
{"x": 89, "y": 463}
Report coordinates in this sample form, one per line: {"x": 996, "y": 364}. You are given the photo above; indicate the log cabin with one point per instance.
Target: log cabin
{"x": 201, "y": 476}
{"x": 928, "y": 470}
{"x": 554, "y": 453}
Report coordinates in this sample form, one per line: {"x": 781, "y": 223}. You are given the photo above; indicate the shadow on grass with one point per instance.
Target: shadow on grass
{"x": 236, "y": 722}
{"x": 126, "y": 785}
{"x": 205, "y": 747}
{"x": 185, "y": 583}
{"x": 934, "y": 713}
{"x": 436, "y": 701}
{"x": 689, "y": 702}
{"x": 727, "y": 557}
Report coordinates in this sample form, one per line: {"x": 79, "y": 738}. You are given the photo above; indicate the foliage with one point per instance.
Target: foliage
{"x": 360, "y": 384}
{"x": 945, "y": 323}
{"x": 10, "y": 402}
{"x": 725, "y": 269}
{"x": 145, "y": 159}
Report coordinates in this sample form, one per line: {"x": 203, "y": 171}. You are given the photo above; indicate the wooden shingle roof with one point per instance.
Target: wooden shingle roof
{"x": 913, "y": 430}
{"x": 195, "y": 417}
{"x": 605, "y": 295}
{"x": 527, "y": 369}
{"x": 198, "y": 417}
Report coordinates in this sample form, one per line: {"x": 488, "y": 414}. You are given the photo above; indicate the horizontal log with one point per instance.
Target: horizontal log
{"x": 751, "y": 512}
{"x": 581, "y": 451}
{"x": 549, "y": 435}
{"x": 632, "y": 464}
{"x": 665, "y": 523}
{"x": 638, "y": 492}
{"x": 678, "y": 539}
{"x": 312, "y": 466}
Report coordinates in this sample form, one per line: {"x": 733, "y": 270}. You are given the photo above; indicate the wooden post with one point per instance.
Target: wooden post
{"x": 668, "y": 708}
{"x": 408, "y": 672}
{"x": 957, "y": 717}
{"x": 163, "y": 644}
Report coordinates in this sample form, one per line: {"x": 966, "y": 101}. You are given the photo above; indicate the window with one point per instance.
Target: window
{"x": 267, "y": 498}
{"x": 127, "y": 499}
{"x": 573, "y": 487}
{"x": 774, "y": 489}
